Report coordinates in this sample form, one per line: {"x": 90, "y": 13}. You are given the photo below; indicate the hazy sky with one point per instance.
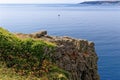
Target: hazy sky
{"x": 45, "y": 1}
{"x": 42, "y": 1}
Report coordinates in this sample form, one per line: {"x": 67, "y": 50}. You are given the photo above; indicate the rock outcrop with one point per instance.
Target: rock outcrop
{"x": 76, "y": 56}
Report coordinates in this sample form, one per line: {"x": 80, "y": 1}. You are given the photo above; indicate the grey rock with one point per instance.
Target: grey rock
{"x": 77, "y": 57}
{"x": 40, "y": 34}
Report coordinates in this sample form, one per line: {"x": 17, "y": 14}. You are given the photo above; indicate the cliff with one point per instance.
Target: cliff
{"x": 77, "y": 57}
{"x": 74, "y": 59}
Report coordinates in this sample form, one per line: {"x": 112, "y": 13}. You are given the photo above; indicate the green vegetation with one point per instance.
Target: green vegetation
{"x": 24, "y": 58}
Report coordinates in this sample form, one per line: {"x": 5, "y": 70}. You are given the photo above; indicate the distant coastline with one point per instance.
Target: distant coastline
{"x": 101, "y": 3}
{"x": 86, "y": 3}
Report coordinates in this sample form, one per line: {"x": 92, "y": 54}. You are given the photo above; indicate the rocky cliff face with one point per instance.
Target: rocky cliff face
{"x": 76, "y": 56}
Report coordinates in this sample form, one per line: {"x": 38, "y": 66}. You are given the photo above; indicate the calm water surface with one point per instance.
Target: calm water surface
{"x": 98, "y": 24}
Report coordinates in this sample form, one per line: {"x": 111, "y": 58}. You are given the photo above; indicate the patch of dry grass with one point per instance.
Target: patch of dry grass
{"x": 10, "y": 74}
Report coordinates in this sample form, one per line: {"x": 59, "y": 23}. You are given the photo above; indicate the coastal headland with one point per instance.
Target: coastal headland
{"x": 39, "y": 56}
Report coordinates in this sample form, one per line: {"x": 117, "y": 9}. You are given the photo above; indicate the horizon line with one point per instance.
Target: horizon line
{"x": 47, "y": 3}
{"x": 42, "y": 3}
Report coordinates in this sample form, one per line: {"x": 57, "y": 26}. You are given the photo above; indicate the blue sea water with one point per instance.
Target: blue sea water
{"x": 100, "y": 24}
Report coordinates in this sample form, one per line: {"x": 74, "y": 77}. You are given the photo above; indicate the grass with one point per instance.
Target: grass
{"x": 10, "y": 74}
{"x": 24, "y": 58}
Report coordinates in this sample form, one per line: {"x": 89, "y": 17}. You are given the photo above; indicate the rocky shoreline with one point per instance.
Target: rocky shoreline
{"x": 76, "y": 56}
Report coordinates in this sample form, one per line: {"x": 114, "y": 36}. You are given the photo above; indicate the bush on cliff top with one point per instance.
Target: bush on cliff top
{"x": 28, "y": 56}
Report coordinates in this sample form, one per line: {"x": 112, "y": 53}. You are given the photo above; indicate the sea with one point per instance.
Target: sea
{"x": 100, "y": 24}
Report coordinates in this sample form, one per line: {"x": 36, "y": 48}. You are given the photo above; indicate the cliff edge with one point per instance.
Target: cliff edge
{"x": 76, "y": 56}
{"x": 76, "y": 59}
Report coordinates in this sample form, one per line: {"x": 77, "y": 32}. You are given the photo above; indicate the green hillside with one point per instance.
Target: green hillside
{"x": 27, "y": 59}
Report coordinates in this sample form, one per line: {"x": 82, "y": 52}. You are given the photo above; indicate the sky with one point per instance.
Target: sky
{"x": 43, "y": 1}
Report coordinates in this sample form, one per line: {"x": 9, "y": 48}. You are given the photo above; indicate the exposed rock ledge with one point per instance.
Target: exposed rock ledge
{"x": 73, "y": 55}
